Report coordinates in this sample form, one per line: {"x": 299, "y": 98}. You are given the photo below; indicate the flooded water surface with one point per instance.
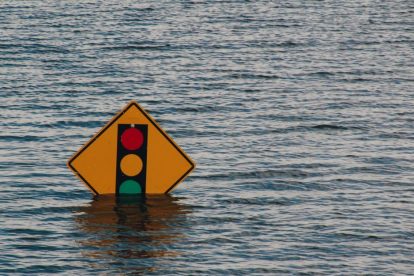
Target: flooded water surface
{"x": 299, "y": 116}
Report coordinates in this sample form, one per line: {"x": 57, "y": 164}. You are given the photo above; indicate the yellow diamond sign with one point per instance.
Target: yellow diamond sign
{"x": 131, "y": 155}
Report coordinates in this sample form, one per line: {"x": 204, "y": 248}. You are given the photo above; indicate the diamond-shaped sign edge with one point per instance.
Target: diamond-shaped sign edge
{"x": 109, "y": 124}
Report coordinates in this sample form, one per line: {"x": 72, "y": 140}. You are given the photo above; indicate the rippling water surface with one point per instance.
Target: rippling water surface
{"x": 300, "y": 117}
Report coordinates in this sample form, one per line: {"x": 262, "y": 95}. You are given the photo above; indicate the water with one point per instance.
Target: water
{"x": 299, "y": 116}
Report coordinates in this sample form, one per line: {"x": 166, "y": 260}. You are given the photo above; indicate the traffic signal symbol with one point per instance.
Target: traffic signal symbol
{"x": 131, "y": 159}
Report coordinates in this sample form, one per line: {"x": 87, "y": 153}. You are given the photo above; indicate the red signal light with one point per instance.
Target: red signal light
{"x": 132, "y": 138}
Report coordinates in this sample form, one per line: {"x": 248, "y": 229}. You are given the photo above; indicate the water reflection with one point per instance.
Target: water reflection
{"x": 130, "y": 230}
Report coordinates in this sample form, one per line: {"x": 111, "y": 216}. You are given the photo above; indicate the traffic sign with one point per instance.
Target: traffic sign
{"x": 131, "y": 155}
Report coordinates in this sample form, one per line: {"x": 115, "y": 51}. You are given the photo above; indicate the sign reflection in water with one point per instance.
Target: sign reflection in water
{"x": 135, "y": 233}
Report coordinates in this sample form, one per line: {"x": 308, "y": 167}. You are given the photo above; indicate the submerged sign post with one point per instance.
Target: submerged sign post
{"x": 131, "y": 155}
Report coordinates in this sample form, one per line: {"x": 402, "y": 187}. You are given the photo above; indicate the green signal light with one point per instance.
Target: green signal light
{"x": 130, "y": 187}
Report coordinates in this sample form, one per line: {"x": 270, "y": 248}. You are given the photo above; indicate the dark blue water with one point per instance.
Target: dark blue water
{"x": 299, "y": 115}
